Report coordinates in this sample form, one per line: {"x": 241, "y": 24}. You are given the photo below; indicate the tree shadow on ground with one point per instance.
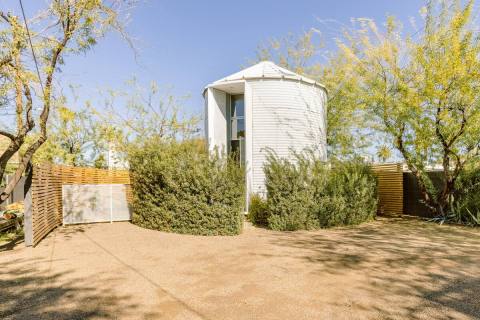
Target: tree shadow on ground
{"x": 71, "y": 231}
{"x": 30, "y": 293}
{"x": 431, "y": 266}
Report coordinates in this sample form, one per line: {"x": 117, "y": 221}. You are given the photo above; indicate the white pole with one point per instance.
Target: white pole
{"x": 111, "y": 202}
{"x": 111, "y": 187}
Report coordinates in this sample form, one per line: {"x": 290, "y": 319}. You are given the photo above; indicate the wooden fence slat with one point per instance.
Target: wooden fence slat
{"x": 390, "y": 187}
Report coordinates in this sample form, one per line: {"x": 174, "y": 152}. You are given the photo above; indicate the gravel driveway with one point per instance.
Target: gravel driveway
{"x": 387, "y": 269}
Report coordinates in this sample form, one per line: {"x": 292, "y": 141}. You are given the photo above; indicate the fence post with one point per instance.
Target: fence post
{"x": 28, "y": 207}
{"x": 28, "y": 219}
{"x": 7, "y": 180}
{"x": 111, "y": 202}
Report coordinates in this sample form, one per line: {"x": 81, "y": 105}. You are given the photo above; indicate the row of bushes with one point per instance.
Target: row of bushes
{"x": 306, "y": 193}
{"x": 178, "y": 187}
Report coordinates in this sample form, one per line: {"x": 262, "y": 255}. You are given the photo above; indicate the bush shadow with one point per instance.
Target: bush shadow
{"x": 435, "y": 266}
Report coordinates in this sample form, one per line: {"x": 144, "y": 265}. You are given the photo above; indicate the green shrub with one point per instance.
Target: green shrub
{"x": 304, "y": 193}
{"x": 257, "y": 211}
{"x": 466, "y": 204}
{"x": 178, "y": 187}
{"x": 291, "y": 193}
{"x": 351, "y": 193}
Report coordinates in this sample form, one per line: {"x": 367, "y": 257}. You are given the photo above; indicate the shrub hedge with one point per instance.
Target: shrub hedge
{"x": 258, "y": 211}
{"x": 305, "y": 193}
{"x": 178, "y": 187}
{"x": 466, "y": 204}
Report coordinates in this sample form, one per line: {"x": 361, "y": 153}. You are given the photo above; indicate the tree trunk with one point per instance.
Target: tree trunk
{"x": 24, "y": 163}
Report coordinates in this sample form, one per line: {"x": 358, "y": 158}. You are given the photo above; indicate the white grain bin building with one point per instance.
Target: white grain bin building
{"x": 265, "y": 107}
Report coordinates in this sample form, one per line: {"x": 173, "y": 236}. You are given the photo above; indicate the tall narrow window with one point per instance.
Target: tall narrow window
{"x": 237, "y": 128}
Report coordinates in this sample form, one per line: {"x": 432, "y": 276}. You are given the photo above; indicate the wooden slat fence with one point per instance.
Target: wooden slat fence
{"x": 45, "y": 215}
{"x": 77, "y": 175}
{"x": 44, "y": 210}
{"x": 390, "y": 187}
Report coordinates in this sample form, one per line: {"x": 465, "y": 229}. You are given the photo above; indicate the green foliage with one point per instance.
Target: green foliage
{"x": 179, "y": 187}
{"x": 291, "y": 190}
{"x": 352, "y": 194}
{"x": 83, "y": 137}
{"x": 417, "y": 91}
{"x": 304, "y": 193}
{"x": 76, "y": 139}
{"x": 140, "y": 113}
{"x": 11, "y": 235}
{"x": 384, "y": 153}
{"x": 257, "y": 210}
{"x": 466, "y": 204}
{"x": 422, "y": 91}
{"x": 58, "y": 29}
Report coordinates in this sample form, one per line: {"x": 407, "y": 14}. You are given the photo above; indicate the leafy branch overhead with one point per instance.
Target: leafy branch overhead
{"x": 76, "y": 138}
{"x": 65, "y": 27}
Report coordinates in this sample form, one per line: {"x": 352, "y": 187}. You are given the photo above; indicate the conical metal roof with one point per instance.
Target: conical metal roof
{"x": 265, "y": 70}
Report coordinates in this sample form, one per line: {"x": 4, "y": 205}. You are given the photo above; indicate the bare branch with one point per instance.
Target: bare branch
{"x": 6, "y": 17}
{"x": 7, "y": 134}
{"x": 5, "y": 60}
{"x": 29, "y": 107}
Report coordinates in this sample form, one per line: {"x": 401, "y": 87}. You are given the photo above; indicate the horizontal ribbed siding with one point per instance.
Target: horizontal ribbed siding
{"x": 286, "y": 115}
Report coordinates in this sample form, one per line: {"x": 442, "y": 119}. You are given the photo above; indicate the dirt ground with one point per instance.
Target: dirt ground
{"x": 387, "y": 269}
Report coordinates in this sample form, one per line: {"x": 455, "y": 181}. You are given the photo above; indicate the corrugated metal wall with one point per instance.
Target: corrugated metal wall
{"x": 285, "y": 115}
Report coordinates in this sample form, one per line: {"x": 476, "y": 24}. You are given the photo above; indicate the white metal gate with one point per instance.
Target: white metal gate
{"x": 86, "y": 203}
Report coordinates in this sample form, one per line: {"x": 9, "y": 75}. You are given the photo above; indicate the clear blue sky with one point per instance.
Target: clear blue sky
{"x": 188, "y": 44}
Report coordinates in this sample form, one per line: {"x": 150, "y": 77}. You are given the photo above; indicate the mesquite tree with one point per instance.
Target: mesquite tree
{"x": 424, "y": 91}
{"x": 64, "y": 27}
{"x": 75, "y": 138}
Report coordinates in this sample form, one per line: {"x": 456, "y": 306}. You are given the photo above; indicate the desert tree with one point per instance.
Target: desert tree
{"x": 141, "y": 113}
{"x": 76, "y": 138}
{"x": 27, "y": 80}
{"x": 423, "y": 90}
